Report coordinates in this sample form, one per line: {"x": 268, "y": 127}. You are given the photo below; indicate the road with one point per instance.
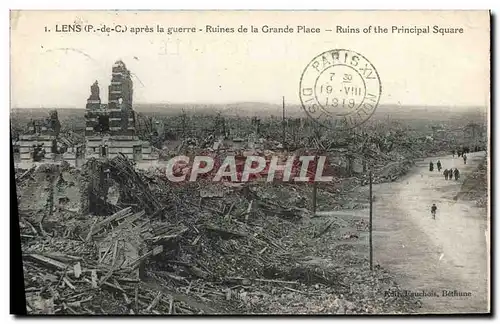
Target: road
{"x": 449, "y": 253}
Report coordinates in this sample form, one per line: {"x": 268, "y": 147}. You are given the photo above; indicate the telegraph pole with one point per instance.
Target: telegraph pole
{"x": 371, "y": 223}
{"x": 283, "y": 122}
{"x": 183, "y": 124}
{"x": 315, "y": 190}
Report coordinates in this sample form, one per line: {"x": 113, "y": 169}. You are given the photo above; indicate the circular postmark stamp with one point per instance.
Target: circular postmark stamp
{"x": 340, "y": 88}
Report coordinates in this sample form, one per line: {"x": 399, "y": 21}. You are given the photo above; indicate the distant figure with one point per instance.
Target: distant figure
{"x": 445, "y": 174}
{"x": 431, "y": 166}
{"x": 459, "y": 153}
{"x": 453, "y": 153}
{"x": 465, "y": 159}
{"x": 433, "y": 211}
{"x": 457, "y": 174}
{"x": 439, "y": 165}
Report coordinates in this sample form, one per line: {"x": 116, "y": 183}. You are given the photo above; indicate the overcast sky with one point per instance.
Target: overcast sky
{"x": 52, "y": 69}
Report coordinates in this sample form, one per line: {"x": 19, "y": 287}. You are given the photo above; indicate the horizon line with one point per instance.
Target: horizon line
{"x": 247, "y": 102}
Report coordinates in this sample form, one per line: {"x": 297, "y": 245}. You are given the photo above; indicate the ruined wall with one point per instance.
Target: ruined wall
{"x": 51, "y": 193}
{"x": 26, "y": 143}
{"x": 49, "y": 126}
{"x": 117, "y": 118}
{"x": 92, "y": 111}
{"x": 121, "y": 116}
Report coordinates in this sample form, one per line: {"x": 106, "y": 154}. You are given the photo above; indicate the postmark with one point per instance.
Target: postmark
{"x": 340, "y": 88}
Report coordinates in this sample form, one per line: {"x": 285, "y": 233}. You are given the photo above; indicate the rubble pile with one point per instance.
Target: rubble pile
{"x": 475, "y": 186}
{"x": 190, "y": 248}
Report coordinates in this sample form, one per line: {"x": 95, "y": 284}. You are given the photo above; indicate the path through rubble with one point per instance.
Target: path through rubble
{"x": 448, "y": 253}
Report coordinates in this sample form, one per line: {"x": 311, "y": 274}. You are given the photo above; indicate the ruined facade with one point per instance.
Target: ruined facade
{"x": 110, "y": 129}
{"x": 40, "y": 141}
{"x": 121, "y": 114}
{"x": 117, "y": 118}
{"x": 96, "y": 116}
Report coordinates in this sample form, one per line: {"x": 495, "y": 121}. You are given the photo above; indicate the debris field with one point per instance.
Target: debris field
{"x": 113, "y": 239}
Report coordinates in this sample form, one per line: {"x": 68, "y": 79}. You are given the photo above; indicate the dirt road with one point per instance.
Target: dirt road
{"x": 428, "y": 255}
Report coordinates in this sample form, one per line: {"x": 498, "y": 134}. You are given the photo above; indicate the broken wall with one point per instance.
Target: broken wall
{"x": 50, "y": 193}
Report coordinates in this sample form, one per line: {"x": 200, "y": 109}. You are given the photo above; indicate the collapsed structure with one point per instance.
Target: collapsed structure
{"x": 40, "y": 140}
{"x": 110, "y": 129}
{"x": 151, "y": 247}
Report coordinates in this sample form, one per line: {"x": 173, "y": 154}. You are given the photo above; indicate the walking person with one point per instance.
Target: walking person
{"x": 465, "y": 159}
{"x": 433, "y": 211}
{"x": 457, "y": 174}
{"x": 439, "y": 165}
{"x": 453, "y": 153}
{"x": 445, "y": 174}
{"x": 431, "y": 166}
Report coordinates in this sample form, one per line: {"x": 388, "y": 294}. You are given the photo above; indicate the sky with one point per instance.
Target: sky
{"x": 55, "y": 69}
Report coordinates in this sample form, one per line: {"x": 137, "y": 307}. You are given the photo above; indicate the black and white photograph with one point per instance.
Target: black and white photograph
{"x": 245, "y": 162}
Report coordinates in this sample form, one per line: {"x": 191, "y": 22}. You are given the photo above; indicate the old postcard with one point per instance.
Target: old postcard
{"x": 252, "y": 162}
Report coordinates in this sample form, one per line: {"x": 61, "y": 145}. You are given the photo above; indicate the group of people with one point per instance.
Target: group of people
{"x": 431, "y": 166}
{"x": 448, "y": 173}
{"x": 466, "y": 149}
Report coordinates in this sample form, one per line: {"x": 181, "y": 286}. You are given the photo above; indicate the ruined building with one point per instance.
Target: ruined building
{"x": 40, "y": 141}
{"x": 96, "y": 115}
{"x": 121, "y": 115}
{"x": 110, "y": 129}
